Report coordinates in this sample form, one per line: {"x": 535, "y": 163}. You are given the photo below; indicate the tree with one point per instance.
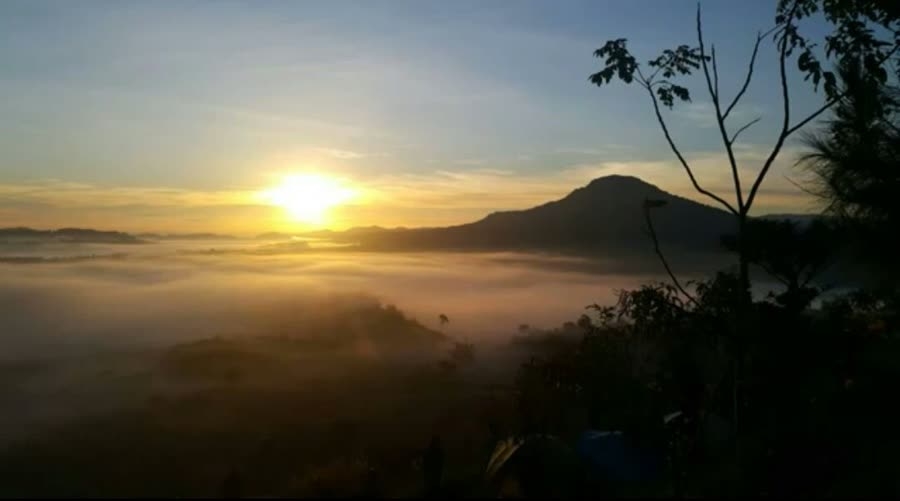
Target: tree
{"x": 855, "y": 161}
{"x": 864, "y": 30}
{"x": 443, "y": 319}
{"x": 793, "y": 254}
{"x": 853, "y": 36}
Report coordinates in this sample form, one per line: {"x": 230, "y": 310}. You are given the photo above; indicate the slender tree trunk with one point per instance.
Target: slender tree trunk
{"x": 741, "y": 317}
{"x": 743, "y": 263}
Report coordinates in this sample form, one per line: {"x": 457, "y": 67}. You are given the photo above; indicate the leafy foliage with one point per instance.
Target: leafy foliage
{"x": 807, "y": 375}
{"x": 858, "y": 34}
{"x": 855, "y": 161}
{"x": 619, "y": 62}
{"x": 856, "y": 26}
{"x": 791, "y": 254}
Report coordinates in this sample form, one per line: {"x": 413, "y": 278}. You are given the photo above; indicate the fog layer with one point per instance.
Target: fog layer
{"x": 162, "y": 294}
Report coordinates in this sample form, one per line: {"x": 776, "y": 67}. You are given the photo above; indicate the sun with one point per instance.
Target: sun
{"x": 308, "y": 197}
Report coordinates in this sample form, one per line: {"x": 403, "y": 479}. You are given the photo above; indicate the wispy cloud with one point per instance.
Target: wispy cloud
{"x": 605, "y": 149}
{"x": 472, "y": 162}
{"x": 702, "y": 114}
{"x": 65, "y": 194}
{"x": 343, "y": 154}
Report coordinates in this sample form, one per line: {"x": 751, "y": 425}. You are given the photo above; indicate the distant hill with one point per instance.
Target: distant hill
{"x": 326, "y": 234}
{"x": 67, "y": 235}
{"x": 274, "y": 235}
{"x": 604, "y": 215}
{"x": 800, "y": 219}
{"x": 185, "y": 236}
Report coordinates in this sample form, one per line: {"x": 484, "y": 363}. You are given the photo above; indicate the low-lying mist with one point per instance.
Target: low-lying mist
{"x": 167, "y": 369}
{"x": 161, "y": 298}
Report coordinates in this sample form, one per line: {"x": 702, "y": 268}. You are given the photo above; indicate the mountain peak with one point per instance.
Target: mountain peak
{"x": 616, "y": 187}
{"x": 619, "y": 181}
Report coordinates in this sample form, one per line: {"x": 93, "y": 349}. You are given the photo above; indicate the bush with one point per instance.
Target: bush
{"x": 812, "y": 382}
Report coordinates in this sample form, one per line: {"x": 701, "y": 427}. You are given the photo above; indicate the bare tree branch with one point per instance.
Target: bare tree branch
{"x": 831, "y": 102}
{"x": 801, "y": 187}
{"x": 662, "y": 257}
{"x": 786, "y": 119}
{"x": 720, "y": 120}
{"x": 677, "y": 152}
{"x": 787, "y": 129}
{"x": 742, "y": 129}
{"x": 813, "y": 115}
{"x": 656, "y": 72}
{"x": 709, "y": 83}
{"x": 819, "y": 268}
{"x": 749, "y": 77}
{"x": 715, "y": 67}
{"x": 772, "y": 273}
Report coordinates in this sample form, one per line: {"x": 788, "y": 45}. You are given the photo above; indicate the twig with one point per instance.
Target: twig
{"x": 681, "y": 159}
{"x": 713, "y": 88}
{"x": 662, "y": 257}
{"x": 715, "y": 67}
{"x": 812, "y": 116}
{"x": 786, "y": 120}
{"x": 749, "y": 77}
{"x": 801, "y": 187}
{"x": 787, "y": 129}
{"x": 742, "y": 129}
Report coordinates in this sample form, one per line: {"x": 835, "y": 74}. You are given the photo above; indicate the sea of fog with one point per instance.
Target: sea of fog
{"x": 79, "y": 296}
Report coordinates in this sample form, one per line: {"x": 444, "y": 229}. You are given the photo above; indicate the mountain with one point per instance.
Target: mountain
{"x": 607, "y": 214}
{"x": 67, "y": 235}
{"x": 274, "y": 235}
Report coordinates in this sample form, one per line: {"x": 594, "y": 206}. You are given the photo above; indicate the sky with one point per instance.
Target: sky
{"x": 177, "y": 115}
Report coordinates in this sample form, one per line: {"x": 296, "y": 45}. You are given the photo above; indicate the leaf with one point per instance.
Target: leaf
{"x": 830, "y": 84}
{"x": 618, "y": 62}
{"x": 681, "y": 92}
{"x": 665, "y": 96}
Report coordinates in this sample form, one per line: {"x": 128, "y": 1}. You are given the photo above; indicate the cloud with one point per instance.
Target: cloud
{"x": 712, "y": 171}
{"x": 83, "y": 195}
{"x": 604, "y": 150}
{"x": 495, "y": 189}
{"x": 476, "y": 188}
{"x": 472, "y": 161}
{"x": 703, "y": 115}
{"x": 418, "y": 198}
{"x": 342, "y": 154}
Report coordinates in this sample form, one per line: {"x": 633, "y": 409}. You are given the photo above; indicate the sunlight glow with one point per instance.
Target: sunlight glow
{"x": 308, "y": 197}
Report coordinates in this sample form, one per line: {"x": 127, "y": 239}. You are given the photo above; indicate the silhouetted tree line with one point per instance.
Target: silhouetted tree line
{"x": 789, "y": 393}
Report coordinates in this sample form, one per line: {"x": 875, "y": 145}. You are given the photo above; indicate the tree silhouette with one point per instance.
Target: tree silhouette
{"x": 855, "y": 160}
{"x": 648, "y": 220}
{"x": 443, "y": 319}
{"x": 792, "y": 254}
{"x": 852, "y": 36}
